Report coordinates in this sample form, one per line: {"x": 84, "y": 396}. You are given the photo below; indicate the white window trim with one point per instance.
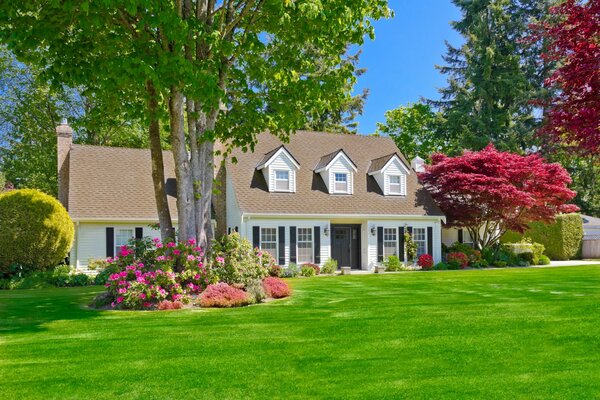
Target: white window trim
{"x": 312, "y": 248}
{"x": 289, "y": 180}
{"x": 423, "y": 241}
{"x": 347, "y": 174}
{"x": 396, "y": 242}
{"x": 402, "y": 187}
{"x": 115, "y": 234}
{"x": 276, "y": 240}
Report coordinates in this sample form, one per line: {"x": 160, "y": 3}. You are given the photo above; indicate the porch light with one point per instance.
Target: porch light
{"x": 373, "y": 230}
{"x": 326, "y": 230}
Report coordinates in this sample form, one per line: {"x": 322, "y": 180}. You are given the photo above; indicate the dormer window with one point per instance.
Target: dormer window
{"x": 390, "y": 172}
{"x": 337, "y": 171}
{"x": 279, "y": 168}
{"x": 341, "y": 183}
{"x": 395, "y": 184}
{"x": 282, "y": 181}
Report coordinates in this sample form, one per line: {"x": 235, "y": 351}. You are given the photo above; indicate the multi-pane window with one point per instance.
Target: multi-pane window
{"x": 282, "y": 181}
{"x": 395, "y": 184}
{"x": 420, "y": 239}
{"x": 390, "y": 242}
{"x": 122, "y": 237}
{"x": 340, "y": 182}
{"x": 305, "y": 245}
{"x": 268, "y": 241}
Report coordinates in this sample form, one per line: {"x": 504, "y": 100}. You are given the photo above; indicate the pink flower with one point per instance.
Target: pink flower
{"x": 191, "y": 258}
{"x": 176, "y": 252}
{"x": 177, "y": 296}
{"x": 123, "y": 274}
{"x": 220, "y": 260}
{"x": 140, "y": 265}
{"x": 171, "y": 244}
{"x": 142, "y": 296}
{"x": 112, "y": 304}
{"x": 156, "y": 240}
{"x": 147, "y": 304}
{"x": 161, "y": 258}
{"x": 122, "y": 290}
{"x": 191, "y": 241}
{"x": 120, "y": 299}
{"x": 159, "y": 245}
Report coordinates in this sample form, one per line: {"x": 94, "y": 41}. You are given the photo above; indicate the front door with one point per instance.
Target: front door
{"x": 345, "y": 245}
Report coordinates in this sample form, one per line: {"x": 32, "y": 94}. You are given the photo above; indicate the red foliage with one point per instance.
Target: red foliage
{"x": 498, "y": 190}
{"x": 573, "y": 40}
{"x": 170, "y": 305}
{"x": 425, "y": 261}
{"x": 223, "y": 295}
{"x": 313, "y": 266}
{"x": 459, "y": 257}
{"x": 276, "y": 287}
{"x": 275, "y": 270}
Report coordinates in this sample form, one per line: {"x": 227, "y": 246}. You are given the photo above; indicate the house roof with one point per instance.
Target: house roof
{"x": 311, "y": 196}
{"x": 328, "y": 158}
{"x": 115, "y": 183}
{"x": 269, "y": 156}
{"x": 379, "y": 163}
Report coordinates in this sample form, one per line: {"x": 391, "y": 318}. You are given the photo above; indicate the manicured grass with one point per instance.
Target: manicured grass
{"x": 513, "y": 333}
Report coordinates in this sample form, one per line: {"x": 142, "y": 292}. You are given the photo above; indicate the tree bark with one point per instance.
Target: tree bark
{"x": 183, "y": 173}
{"x": 167, "y": 232}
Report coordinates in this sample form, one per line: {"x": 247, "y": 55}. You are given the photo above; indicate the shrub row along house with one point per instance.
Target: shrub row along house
{"x": 320, "y": 196}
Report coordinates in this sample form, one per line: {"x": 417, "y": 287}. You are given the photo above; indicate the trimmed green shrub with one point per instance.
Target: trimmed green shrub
{"x": 561, "y": 239}
{"x": 307, "y": 271}
{"x": 544, "y": 260}
{"x": 440, "y": 266}
{"x": 392, "y": 263}
{"x": 499, "y": 264}
{"x": 236, "y": 261}
{"x": 256, "y": 292}
{"x": 291, "y": 271}
{"x": 330, "y": 267}
{"x": 36, "y": 233}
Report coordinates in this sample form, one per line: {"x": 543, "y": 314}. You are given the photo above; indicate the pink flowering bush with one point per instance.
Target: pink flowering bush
{"x": 425, "y": 261}
{"x": 170, "y": 305}
{"x": 143, "y": 285}
{"x": 224, "y": 295}
{"x": 276, "y": 287}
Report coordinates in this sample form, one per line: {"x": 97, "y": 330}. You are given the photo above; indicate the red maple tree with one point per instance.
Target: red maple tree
{"x": 489, "y": 192}
{"x": 573, "y": 41}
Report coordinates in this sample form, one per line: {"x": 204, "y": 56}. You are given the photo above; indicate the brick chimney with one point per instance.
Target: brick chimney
{"x": 64, "y": 140}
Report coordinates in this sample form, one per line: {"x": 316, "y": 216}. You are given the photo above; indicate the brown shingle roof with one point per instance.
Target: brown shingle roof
{"x": 115, "y": 183}
{"x": 326, "y": 159}
{"x": 311, "y": 195}
{"x": 378, "y": 163}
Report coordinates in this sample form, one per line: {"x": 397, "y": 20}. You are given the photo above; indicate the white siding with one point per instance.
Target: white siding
{"x": 90, "y": 240}
{"x": 287, "y": 223}
{"x": 343, "y": 166}
{"x": 383, "y": 177}
{"x": 281, "y": 163}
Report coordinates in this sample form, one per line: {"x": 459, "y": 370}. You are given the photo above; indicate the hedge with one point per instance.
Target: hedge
{"x": 36, "y": 233}
{"x": 561, "y": 239}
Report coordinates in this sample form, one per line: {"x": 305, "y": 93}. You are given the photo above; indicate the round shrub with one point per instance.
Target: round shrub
{"x": 236, "y": 262}
{"x": 223, "y": 295}
{"x": 458, "y": 258}
{"x": 330, "y": 267}
{"x": 543, "y": 260}
{"x": 392, "y": 263}
{"x": 37, "y": 231}
{"x": 256, "y": 292}
{"x": 425, "y": 262}
{"x": 276, "y": 288}
{"x": 307, "y": 271}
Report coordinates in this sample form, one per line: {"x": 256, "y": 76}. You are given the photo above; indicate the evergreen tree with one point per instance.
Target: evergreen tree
{"x": 492, "y": 77}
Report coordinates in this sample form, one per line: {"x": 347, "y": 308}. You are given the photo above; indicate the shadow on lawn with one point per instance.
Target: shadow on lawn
{"x": 25, "y": 311}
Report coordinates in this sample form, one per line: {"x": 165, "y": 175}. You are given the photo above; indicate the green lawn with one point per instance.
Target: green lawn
{"x": 512, "y": 333}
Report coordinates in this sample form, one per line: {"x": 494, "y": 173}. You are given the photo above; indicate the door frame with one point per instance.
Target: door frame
{"x": 358, "y": 250}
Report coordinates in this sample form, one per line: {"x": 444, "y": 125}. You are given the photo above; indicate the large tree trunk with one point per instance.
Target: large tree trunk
{"x": 206, "y": 122}
{"x": 195, "y": 161}
{"x": 158, "y": 169}
{"x": 183, "y": 173}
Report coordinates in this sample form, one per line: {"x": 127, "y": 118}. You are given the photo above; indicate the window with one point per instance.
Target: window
{"x": 395, "y": 184}
{"x": 420, "y": 239}
{"x": 268, "y": 241}
{"x": 340, "y": 183}
{"x": 305, "y": 245}
{"x": 122, "y": 238}
{"x": 390, "y": 242}
{"x": 282, "y": 181}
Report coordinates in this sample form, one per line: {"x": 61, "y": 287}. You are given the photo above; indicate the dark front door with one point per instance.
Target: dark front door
{"x": 345, "y": 245}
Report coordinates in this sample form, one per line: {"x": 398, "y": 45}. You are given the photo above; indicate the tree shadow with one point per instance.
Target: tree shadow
{"x": 31, "y": 310}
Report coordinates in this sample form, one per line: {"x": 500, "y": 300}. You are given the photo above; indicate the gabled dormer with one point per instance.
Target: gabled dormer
{"x": 280, "y": 168}
{"x": 337, "y": 171}
{"x": 390, "y": 172}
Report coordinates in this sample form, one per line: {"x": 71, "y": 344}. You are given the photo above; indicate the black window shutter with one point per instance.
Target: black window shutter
{"x": 139, "y": 233}
{"x": 430, "y": 241}
{"x": 409, "y": 229}
{"x": 256, "y": 236}
{"x": 229, "y": 231}
{"x": 460, "y": 235}
{"x": 401, "y": 243}
{"x": 380, "y": 243}
{"x": 293, "y": 244}
{"x": 110, "y": 242}
{"x": 282, "y": 245}
{"x": 317, "y": 245}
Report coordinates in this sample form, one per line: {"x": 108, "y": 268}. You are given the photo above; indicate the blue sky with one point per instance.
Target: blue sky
{"x": 401, "y": 60}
